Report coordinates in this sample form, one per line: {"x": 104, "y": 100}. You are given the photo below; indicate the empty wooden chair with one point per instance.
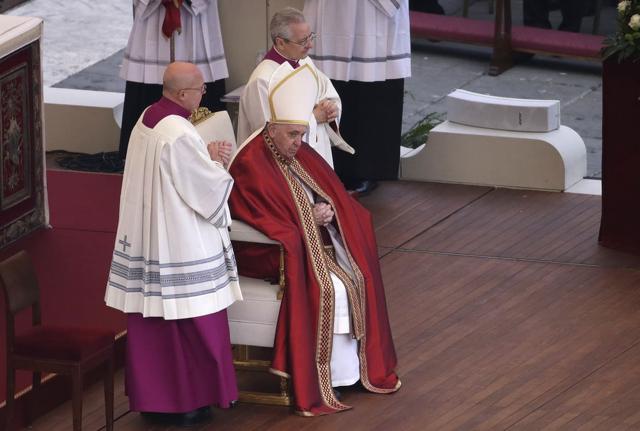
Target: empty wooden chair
{"x": 47, "y": 348}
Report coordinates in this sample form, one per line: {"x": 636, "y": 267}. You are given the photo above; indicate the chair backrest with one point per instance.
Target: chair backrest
{"x": 19, "y": 283}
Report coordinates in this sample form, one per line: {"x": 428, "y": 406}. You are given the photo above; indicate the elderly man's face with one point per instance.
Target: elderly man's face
{"x": 299, "y": 43}
{"x": 287, "y": 138}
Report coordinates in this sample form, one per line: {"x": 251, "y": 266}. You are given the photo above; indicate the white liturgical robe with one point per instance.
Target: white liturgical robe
{"x": 172, "y": 256}
{"x": 345, "y": 365}
{"x": 361, "y": 40}
{"x": 254, "y": 109}
{"x": 200, "y": 42}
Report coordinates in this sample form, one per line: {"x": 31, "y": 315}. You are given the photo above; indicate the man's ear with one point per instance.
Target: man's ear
{"x": 278, "y": 43}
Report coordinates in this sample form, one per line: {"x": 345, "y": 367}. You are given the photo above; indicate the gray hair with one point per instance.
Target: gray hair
{"x": 281, "y": 21}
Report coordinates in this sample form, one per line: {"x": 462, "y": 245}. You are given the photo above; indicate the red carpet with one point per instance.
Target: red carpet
{"x": 84, "y": 201}
{"x": 72, "y": 259}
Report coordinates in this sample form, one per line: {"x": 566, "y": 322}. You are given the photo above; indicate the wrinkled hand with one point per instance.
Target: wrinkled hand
{"x": 322, "y": 214}
{"x": 220, "y": 151}
{"x": 325, "y": 111}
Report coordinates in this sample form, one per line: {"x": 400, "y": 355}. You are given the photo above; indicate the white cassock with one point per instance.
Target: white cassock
{"x": 172, "y": 256}
{"x": 254, "y": 109}
{"x": 345, "y": 364}
{"x": 361, "y": 40}
{"x": 200, "y": 42}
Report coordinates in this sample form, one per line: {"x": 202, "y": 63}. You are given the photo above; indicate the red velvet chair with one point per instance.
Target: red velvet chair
{"x": 51, "y": 349}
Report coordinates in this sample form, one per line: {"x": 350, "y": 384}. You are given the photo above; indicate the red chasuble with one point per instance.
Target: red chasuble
{"x": 267, "y": 197}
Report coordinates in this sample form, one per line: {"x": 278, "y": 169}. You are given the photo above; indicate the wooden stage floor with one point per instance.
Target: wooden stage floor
{"x": 506, "y": 315}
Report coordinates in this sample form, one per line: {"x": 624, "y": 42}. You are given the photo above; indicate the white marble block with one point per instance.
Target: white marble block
{"x": 502, "y": 113}
{"x": 455, "y": 153}
{"x": 82, "y": 121}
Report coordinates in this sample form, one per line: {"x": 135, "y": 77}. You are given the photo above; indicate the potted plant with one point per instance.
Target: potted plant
{"x": 624, "y": 45}
{"x": 620, "y": 226}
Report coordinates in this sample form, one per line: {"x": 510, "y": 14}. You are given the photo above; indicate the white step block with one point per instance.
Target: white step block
{"x": 502, "y": 113}
{"x": 82, "y": 121}
{"x": 461, "y": 154}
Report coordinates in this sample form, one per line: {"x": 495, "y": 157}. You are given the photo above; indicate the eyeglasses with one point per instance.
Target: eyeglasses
{"x": 304, "y": 41}
{"x": 202, "y": 89}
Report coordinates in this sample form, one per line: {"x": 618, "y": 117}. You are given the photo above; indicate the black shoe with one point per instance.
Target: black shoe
{"x": 337, "y": 394}
{"x": 195, "y": 417}
{"x": 365, "y": 187}
{"x": 157, "y": 418}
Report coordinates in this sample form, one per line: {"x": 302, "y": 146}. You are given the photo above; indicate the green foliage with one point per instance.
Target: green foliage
{"x": 419, "y": 133}
{"x": 625, "y": 44}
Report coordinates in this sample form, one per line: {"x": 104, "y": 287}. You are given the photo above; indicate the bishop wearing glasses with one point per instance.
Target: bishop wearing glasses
{"x": 292, "y": 40}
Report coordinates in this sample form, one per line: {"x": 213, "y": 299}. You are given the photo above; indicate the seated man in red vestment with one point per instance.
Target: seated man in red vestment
{"x": 333, "y": 329}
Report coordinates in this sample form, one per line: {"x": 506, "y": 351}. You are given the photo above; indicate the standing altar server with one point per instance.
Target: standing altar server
{"x": 365, "y": 48}
{"x": 173, "y": 269}
{"x": 194, "y": 27}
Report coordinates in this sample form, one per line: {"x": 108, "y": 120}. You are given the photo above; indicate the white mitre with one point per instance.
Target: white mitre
{"x": 292, "y": 94}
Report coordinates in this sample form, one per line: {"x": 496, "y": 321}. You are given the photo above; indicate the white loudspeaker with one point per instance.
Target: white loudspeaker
{"x": 502, "y": 113}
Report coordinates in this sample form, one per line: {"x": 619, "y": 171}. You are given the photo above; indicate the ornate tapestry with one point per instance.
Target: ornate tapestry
{"x": 21, "y": 153}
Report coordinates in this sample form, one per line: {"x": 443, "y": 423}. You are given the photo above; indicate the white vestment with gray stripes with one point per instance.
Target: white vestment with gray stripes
{"x": 200, "y": 42}
{"x": 360, "y": 40}
{"x": 172, "y": 256}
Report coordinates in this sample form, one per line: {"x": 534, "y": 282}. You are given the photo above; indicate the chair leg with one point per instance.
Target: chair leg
{"x": 35, "y": 391}
{"x": 11, "y": 393}
{"x": 108, "y": 394}
{"x": 596, "y": 16}
{"x": 502, "y": 58}
{"x": 76, "y": 394}
{"x": 465, "y": 8}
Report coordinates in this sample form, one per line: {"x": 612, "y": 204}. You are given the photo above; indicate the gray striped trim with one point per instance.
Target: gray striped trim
{"x": 166, "y": 63}
{"x": 360, "y": 59}
{"x": 135, "y": 258}
{"x": 227, "y": 191}
{"x": 173, "y": 280}
{"x": 147, "y": 277}
{"x": 222, "y": 221}
{"x": 200, "y": 292}
{"x": 231, "y": 262}
{"x": 175, "y": 295}
{"x": 226, "y": 250}
{"x": 133, "y": 289}
{"x": 396, "y": 4}
{"x": 197, "y": 277}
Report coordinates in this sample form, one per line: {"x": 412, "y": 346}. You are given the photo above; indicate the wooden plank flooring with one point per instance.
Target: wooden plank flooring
{"x": 506, "y": 314}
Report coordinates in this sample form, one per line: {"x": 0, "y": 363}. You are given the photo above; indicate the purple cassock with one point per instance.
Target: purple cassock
{"x": 176, "y": 366}
{"x": 274, "y": 55}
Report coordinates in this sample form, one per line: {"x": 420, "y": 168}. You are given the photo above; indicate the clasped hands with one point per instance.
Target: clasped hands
{"x": 325, "y": 111}
{"x": 220, "y": 151}
{"x": 322, "y": 213}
